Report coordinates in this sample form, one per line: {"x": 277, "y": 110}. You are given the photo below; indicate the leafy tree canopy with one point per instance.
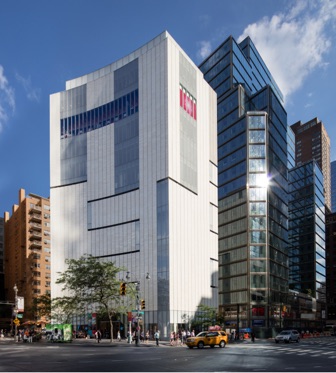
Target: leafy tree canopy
{"x": 90, "y": 281}
{"x": 206, "y": 316}
{"x": 41, "y": 307}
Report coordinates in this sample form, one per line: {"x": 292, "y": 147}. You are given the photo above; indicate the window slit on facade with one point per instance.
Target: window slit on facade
{"x": 102, "y": 116}
{"x": 163, "y": 244}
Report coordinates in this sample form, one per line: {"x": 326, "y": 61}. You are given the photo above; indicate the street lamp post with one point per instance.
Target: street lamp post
{"x": 15, "y": 311}
{"x": 138, "y": 307}
{"x": 237, "y": 331}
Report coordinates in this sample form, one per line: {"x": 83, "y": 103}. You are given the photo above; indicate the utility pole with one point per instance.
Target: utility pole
{"x": 237, "y": 321}
{"x": 15, "y": 312}
{"x": 138, "y": 307}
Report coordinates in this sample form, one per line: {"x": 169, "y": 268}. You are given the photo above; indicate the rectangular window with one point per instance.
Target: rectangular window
{"x": 258, "y": 194}
{"x": 257, "y": 237}
{"x": 260, "y": 180}
{"x": 258, "y": 281}
{"x": 256, "y": 121}
{"x": 257, "y": 208}
{"x": 256, "y": 137}
{"x": 257, "y": 151}
{"x": 257, "y": 251}
{"x": 258, "y": 265}
{"x": 257, "y": 165}
{"x": 257, "y": 222}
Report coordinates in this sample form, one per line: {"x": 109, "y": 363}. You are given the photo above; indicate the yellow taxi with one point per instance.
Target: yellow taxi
{"x": 209, "y": 338}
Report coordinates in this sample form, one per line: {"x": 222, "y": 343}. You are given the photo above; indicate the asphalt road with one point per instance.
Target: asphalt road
{"x": 315, "y": 355}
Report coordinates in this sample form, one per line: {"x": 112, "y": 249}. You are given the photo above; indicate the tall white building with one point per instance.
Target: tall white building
{"x": 133, "y": 165}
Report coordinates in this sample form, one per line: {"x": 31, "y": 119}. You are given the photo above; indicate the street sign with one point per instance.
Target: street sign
{"x": 138, "y": 312}
{"x": 20, "y": 304}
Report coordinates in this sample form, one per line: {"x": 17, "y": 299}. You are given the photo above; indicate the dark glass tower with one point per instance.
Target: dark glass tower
{"x": 307, "y": 230}
{"x": 333, "y": 186}
{"x": 330, "y": 267}
{"x": 252, "y": 181}
{"x": 307, "y": 255}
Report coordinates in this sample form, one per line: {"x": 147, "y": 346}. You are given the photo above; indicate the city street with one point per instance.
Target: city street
{"x": 311, "y": 355}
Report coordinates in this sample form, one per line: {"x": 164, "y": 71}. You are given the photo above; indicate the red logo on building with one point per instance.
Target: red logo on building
{"x": 188, "y": 102}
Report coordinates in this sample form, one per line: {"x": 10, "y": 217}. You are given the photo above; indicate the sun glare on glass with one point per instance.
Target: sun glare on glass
{"x": 262, "y": 180}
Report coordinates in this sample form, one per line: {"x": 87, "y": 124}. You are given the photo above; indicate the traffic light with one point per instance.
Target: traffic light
{"x": 143, "y": 304}
{"x": 122, "y": 290}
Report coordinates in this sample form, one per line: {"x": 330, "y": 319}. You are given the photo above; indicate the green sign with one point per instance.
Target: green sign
{"x": 138, "y": 312}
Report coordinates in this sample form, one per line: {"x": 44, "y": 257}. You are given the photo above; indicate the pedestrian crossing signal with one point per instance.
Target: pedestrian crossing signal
{"x": 143, "y": 304}
{"x": 122, "y": 290}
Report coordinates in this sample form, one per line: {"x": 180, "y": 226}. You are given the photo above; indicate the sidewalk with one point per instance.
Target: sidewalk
{"x": 122, "y": 343}
{"x": 81, "y": 341}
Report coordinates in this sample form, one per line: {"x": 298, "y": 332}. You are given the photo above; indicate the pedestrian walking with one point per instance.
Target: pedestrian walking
{"x": 118, "y": 336}
{"x": 98, "y": 336}
{"x": 157, "y": 337}
{"x": 252, "y": 337}
{"x": 184, "y": 336}
{"x": 147, "y": 336}
{"x": 171, "y": 338}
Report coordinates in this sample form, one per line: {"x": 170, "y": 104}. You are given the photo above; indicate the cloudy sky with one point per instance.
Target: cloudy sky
{"x": 44, "y": 43}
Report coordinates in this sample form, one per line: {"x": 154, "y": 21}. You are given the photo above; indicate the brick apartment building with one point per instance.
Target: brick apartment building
{"x": 27, "y": 250}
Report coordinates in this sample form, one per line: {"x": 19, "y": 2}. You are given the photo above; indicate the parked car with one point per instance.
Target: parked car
{"x": 288, "y": 336}
{"x": 210, "y": 338}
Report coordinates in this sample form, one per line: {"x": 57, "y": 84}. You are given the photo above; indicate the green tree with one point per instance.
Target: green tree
{"x": 206, "y": 316}
{"x": 90, "y": 281}
{"x": 41, "y": 307}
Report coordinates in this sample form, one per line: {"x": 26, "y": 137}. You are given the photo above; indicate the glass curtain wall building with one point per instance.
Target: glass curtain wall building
{"x": 252, "y": 182}
{"x": 330, "y": 267}
{"x": 307, "y": 255}
{"x": 333, "y": 186}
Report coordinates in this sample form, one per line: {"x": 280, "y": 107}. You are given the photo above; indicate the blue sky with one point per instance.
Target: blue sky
{"x": 44, "y": 43}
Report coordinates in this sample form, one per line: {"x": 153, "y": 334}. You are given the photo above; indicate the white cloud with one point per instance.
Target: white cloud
{"x": 7, "y": 98}
{"x": 295, "y": 42}
{"x": 33, "y": 94}
{"x": 204, "y": 50}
